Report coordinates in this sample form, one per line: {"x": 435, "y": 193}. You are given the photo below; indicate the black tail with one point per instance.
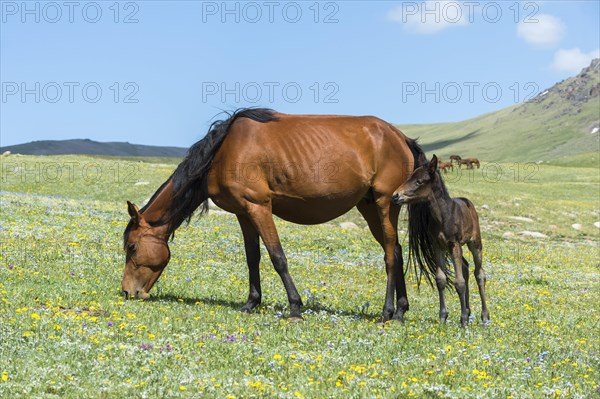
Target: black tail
{"x": 421, "y": 253}
{"x": 190, "y": 179}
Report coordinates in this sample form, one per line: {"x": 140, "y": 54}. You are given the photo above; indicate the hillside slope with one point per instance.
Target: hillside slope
{"x": 561, "y": 121}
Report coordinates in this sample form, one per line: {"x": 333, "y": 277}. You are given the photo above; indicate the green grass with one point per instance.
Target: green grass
{"x": 591, "y": 160}
{"x": 67, "y": 333}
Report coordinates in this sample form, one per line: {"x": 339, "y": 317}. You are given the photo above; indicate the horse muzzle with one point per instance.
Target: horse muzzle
{"x": 398, "y": 199}
{"x": 137, "y": 294}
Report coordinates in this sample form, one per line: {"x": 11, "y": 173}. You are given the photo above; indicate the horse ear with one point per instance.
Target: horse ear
{"x": 134, "y": 212}
{"x": 433, "y": 164}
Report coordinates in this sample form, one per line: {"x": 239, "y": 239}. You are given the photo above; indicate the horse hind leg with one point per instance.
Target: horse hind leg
{"x": 371, "y": 214}
{"x": 401, "y": 297}
{"x": 476, "y": 250}
{"x": 390, "y": 240}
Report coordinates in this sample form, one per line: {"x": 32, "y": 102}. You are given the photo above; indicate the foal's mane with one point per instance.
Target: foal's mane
{"x": 439, "y": 182}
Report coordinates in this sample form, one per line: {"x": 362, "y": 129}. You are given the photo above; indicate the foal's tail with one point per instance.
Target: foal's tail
{"x": 421, "y": 252}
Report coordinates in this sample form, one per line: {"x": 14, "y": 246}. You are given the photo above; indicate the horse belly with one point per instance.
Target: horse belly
{"x": 315, "y": 210}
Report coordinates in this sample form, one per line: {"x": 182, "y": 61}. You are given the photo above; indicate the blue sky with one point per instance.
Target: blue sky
{"x": 157, "y": 72}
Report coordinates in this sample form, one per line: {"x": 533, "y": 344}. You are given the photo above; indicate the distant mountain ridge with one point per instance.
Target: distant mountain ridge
{"x": 90, "y": 147}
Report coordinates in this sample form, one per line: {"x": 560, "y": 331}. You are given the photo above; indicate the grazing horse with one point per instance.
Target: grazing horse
{"x": 455, "y": 158}
{"x": 474, "y": 161}
{"x": 444, "y": 166}
{"x": 451, "y": 223}
{"x": 306, "y": 169}
{"x": 469, "y": 162}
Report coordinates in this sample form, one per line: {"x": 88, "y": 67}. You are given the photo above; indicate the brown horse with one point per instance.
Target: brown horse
{"x": 444, "y": 166}
{"x": 305, "y": 169}
{"x": 451, "y": 223}
{"x": 455, "y": 158}
{"x": 469, "y": 162}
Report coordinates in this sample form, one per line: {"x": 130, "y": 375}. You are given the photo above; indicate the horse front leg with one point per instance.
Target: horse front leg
{"x": 262, "y": 219}
{"x": 252, "y": 247}
{"x": 441, "y": 282}
{"x": 465, "y": 268}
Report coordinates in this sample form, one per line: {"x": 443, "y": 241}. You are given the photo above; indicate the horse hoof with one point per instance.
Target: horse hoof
{"x": 398, "y": 317}
{"x": 247, "y": 308}
{"x": 443, "y": 317}
{"x": 295, "y": 319}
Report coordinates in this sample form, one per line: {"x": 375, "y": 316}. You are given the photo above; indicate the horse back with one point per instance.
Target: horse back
{"x": 318, "y": 165}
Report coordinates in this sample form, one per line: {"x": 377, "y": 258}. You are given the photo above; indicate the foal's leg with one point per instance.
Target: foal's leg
{"x": 371, "y": 215}
{"x": 476, "y": 249}
{"x": 465, "y": 267}
{"x": 459, "y": 282}
{"x": 441, "y": 281}
{"x": 252, "y": 247}
{"x": 262, "y": 219}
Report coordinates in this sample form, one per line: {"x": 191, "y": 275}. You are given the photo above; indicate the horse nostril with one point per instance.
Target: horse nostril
{"x": 125, "y": 294}
{"x": 395, "y": 198}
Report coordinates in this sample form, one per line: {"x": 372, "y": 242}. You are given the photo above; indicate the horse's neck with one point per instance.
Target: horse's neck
{"x": 440, "y": 203}
{"x": 159, "y": 206}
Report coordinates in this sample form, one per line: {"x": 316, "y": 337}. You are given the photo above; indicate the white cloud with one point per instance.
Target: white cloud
{"x": 573, "y": 60}
{"x": 546, "y": 32}
{"x": 429, "y": 16}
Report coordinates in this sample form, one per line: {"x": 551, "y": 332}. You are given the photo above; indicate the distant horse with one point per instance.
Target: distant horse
{"x": 306, "y": 169}
{"x": 469, "y": 162}
{"x": 450, "y": 223}
{"x": 444, "y": 166}
{"x": 455, "y": 158}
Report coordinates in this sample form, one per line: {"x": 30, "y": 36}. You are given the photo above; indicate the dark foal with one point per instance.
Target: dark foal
{"x": 453, "y": 222}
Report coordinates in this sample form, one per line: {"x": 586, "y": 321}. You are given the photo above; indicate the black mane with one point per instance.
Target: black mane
{"x": 420, "y": 245}
{"x": 190, "y": 178}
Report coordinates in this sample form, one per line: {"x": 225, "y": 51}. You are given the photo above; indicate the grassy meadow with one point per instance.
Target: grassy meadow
{"x": 65, "y": 331}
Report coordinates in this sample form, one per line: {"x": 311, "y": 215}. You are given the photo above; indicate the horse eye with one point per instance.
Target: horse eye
{"x": 419, "y": 182}
{"x": 131, "y": 247}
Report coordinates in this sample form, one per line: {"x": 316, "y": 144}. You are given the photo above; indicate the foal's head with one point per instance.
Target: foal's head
{"x": 418, "y": 187}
